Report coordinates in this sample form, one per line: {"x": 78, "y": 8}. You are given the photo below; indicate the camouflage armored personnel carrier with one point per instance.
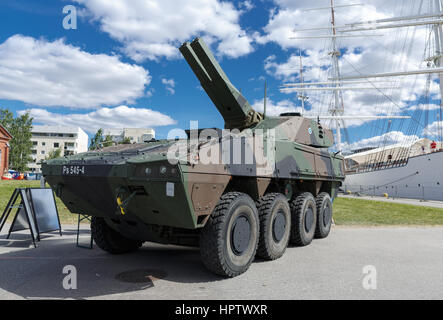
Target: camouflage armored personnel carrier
{"x": 252, "y": 198}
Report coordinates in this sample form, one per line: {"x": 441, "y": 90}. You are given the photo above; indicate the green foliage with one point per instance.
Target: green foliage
{"x": 21, "y": 145}
{"x": 108, "y": 141}
{"x": 97, "y": 140}
{"x": 6, "y": 118}
{"x": 126, "y": 140}
{"x": 54, "y": 154}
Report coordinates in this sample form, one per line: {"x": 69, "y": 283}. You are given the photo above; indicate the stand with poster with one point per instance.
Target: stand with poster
{"x": 35, "y": 211}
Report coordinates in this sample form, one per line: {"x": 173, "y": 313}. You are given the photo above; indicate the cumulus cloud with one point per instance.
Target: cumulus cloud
{"x": 424, "y": 107}
{"x": 389, "y": 138}
{"x": 246, "y": 5}
{"x": 169, "y": 85}
{"x": 49, "y": 74}
{"x": 102, "y": 118}
{"x": 153, "y": 29}
{"x": 276, "y": 108}
{"x": 434, "y": 130}
{"x": 397, "y": 50}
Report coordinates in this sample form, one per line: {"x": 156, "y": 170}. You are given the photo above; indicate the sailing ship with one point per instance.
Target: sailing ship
{"x": 410, "y": 167}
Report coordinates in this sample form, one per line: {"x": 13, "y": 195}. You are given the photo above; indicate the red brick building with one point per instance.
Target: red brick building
{"x": 5, "y": 136}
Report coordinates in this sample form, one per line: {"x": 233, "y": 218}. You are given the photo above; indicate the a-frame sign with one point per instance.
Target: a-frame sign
{"x": 35, "y": 211}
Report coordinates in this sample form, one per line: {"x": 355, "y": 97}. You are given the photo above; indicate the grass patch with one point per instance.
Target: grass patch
{"x": 7, "y": 188}
{"x": 347, "y": 212}
{"x": 357, "y": 212}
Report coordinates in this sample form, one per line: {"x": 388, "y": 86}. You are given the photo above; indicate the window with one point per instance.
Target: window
{"x": 56, "y": 145}
{"x": 34, "y": 143}
{"x": 33, "y": 151}
{"x": 43, "y": 152}
{"x": 43, "y": 144}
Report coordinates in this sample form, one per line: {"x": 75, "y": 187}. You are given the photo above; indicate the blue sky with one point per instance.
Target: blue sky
{"x": 116, "y": 57}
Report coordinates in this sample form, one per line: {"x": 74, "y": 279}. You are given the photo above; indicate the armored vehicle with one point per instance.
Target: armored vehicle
{"x": 237, "y": 193}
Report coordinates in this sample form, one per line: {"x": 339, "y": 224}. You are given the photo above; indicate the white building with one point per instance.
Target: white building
{"x": 135, "y": 135}
{"x": 71, "y": 140}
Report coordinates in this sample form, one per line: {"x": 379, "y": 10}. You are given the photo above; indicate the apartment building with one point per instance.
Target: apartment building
{"x": 71, "y": 140}
{"x": 134, "y": 135}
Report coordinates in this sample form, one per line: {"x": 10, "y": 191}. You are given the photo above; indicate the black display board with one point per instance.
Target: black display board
{"x": 45, "y": 209}
{"x": 36, "y": 211}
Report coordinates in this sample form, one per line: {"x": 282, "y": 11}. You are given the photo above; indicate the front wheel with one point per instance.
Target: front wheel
{"x": 228, "y": 241}
{"x": 110, "y": 240}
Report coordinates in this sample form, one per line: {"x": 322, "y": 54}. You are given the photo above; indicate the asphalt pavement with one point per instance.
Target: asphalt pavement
{"x": 400, "y": 263}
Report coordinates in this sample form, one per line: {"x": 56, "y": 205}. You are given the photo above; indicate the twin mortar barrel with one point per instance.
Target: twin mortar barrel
{"x": 233, "y": 106}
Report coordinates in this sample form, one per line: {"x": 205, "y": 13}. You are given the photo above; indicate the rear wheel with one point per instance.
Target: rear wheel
{"x": 275, "y": 226}
{"x": 324, "y": 215}
{"x": 110, "y": 240}
{"x": 304, "y": 219}
{"x": 228, "y": 242}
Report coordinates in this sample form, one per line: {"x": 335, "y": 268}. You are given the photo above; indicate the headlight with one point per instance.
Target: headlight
{"x": 163, "y": 170}
{"x": 148, "y": 171}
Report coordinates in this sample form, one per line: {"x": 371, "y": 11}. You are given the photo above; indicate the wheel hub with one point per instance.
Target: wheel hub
{"x": 309, "y": 219}
{"x": 279, "y": 226}
{"x": 241, "y": 234}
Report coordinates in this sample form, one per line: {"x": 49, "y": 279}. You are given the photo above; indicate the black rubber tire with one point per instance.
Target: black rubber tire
{"x": 324, "y": 217}
{"x": 110, "y": 240}
{"x": 300, "y": 206}
{"x": 216, "y": 249}
{"x": 269, "y": 206}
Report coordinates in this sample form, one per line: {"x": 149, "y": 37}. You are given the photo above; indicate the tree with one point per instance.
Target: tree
{"x": 97, "y": 140}
{"x": 108, "y": 141}
{"x": 6, "y": 118}
{"x": 54, "y": 154}
{"x": 126, "y": 140}
{"x": 21, "y": 145}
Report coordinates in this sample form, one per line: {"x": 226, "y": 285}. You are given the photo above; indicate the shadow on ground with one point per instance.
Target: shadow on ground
{"x": 38, "y": 273}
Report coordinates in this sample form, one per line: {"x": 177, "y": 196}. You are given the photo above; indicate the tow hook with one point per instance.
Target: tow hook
{"x": 122, "y": 202}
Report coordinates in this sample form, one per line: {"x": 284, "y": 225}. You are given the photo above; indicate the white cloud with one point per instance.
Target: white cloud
{"x": 246, "y": 5}
{"x": 398, "y": 50}
{"x": 424, "y": 107}
{"x": 386, "y": 139}
{"x": 169, "y": 85}
{"x": 103, "y": 118}
{"x": 434, "y": 130}
{"x": 49, "y": 74}
{"x": 275, "y": 108}
{"x": 155, "y": 28}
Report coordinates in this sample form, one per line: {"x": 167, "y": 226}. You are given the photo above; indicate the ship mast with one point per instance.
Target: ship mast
{"x": 302, "y": 96}
{"x": 434, "y": 19}
{"x": 336, "y": 83}
{"x": 338, "y": 108}
{"x": 438, "y": 32}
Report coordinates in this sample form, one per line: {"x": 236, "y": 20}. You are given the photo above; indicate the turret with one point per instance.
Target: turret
{"x": 233, "y": 106}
